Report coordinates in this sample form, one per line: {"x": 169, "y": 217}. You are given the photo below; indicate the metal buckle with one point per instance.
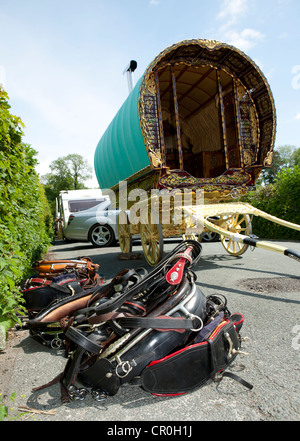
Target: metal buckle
{"x": 232, "y": 351}
{"x": 125, "y": 367}
{"x": 192, "y": 317}
{"x": 56, "y": 343}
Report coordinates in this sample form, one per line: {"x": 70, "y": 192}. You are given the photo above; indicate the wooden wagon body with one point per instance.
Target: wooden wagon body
{"x": 200, "y": 119}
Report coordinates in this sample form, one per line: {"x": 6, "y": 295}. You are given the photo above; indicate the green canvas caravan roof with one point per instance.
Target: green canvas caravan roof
{"x": 121, "y": 151}
{"x": 202, "y": 110}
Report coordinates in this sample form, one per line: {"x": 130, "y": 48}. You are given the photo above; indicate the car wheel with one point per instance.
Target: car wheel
{"x": 209, "y": 237}
{"x": 101, "y": 235}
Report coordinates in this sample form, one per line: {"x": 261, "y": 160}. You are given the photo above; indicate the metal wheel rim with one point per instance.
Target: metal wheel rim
{"x": 101, "y": 235}
{"x": 209, "y": 236}
{"x": 236, "y": 223}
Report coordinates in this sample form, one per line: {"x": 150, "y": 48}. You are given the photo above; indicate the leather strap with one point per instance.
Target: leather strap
{"x": 238, "y": 379}
{"x": 162, "y": 323}
{"x": 108, "y": 290}
{"x": 81, "y": 340}
{"x": 158, "y": 272}
{"x": 40, "y": 281}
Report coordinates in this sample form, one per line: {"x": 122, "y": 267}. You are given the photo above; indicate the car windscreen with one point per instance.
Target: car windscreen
{"x": 83, "y": 204}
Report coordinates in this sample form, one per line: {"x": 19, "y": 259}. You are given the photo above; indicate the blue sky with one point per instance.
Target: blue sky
{"x": 62, "y": 61}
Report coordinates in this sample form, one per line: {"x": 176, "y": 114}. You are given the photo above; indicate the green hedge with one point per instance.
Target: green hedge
{"x": 282, "y": 200}
{"x": 25, "y": 218}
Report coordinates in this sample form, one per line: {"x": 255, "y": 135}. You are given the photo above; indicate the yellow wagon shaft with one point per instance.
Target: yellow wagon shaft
{"x": 232, "y": 222}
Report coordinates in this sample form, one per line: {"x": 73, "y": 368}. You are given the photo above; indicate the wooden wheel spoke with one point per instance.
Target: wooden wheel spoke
{"x": 236, "y": 224}
{"x": 234, "y": 247}
{"x": 152, "y": 239}
{"x": 124, "y": 234}
{"x": 241, "y": 221}
{"x": 154, "y": 249}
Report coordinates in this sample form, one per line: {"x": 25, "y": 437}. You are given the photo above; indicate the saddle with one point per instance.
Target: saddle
{"x": 50, "y": 323}
{"x": 55, "y": 280}
{"x": 83, "y": 266}
{"x": 155, "y": 330}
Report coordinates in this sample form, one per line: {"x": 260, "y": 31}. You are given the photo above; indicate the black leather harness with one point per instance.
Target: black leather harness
{"x": 167, "y": 338}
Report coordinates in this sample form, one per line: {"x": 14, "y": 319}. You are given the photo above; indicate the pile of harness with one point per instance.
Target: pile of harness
{"x": 53, "y": 281}
{"x": 155, "y": 330}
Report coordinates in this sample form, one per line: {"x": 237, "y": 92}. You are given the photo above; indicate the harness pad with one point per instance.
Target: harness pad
{"x": 193, "y": 366}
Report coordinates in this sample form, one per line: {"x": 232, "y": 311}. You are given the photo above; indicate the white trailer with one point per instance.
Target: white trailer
{"x": 73, "y": 201}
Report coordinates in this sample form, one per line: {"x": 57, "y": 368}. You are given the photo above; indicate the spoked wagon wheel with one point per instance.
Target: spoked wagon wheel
{"x": 235, "y": 223}
{"x": 151, "y": 237}
{"x": 124, "y": 233}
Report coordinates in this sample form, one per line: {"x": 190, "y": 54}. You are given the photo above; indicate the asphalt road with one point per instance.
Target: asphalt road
{"x": 272, "y": 324}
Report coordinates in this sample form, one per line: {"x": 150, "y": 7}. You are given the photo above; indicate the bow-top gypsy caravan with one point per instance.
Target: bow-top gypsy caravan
{"x": 201, "y": 118}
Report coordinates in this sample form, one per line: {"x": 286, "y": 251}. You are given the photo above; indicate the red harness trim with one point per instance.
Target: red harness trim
{"x": 175, "y": 274}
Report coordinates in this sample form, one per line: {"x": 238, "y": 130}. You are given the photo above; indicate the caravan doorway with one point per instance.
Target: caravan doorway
{"x": 208, "y": 121}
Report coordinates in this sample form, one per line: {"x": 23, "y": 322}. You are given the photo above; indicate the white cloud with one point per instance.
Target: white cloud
{"x": 232, "y": 10}
{"x": 244, "y": 40}
{"x": 231, "y": 14}
{"x": 298, "y": 116}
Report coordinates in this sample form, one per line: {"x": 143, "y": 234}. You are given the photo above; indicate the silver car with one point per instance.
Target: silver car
{"x": 97, "y": 225}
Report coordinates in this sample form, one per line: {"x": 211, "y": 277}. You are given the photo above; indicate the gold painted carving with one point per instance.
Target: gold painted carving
{"x": 268, "y": 159}
{"x": 151, "y": 87}
{"x": 155, "y": 158}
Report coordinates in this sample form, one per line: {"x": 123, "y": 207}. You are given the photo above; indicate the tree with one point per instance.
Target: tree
{"x": 296, "y": 157}
{"x": 79, "y": 168}
{"x": 60, "y": 179}
{"x": 281, "y": 200}
{"x": 268, "y": 175}
{"x": 67, "y": 173}
{"x": 285, "y": 156}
